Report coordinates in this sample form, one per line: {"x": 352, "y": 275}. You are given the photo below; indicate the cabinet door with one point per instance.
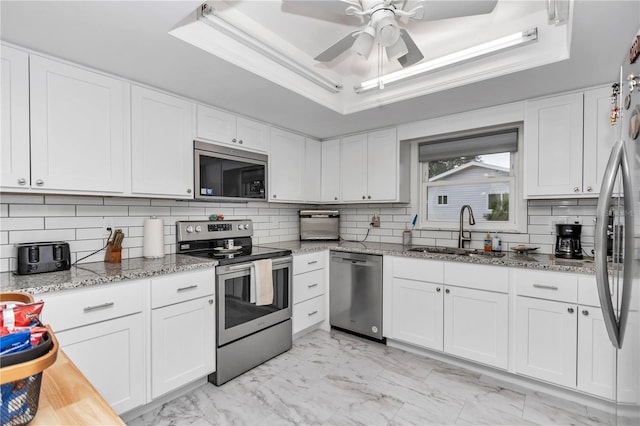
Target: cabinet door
{"x": 330, "y": 171}
{"x": 182, "y": 344}
{"x": 596, "y": 356}
{"x": 599, "y": 137}
{"x": 382, "y": 165}
{"x": 546, "y": 340}
{"x": 553, "y": 125}
{"x": 14, "y": 95}
{"x": 353, "y": 168}
{"x": 215, "y": 125}
{"x": 161, "y": 145}
{"x": 286, "y": 166}
{"x": 476, "y": 325}
{"x": 417, "y": 316}
{"x": 312, "y": 170}
{"x": 78, "y": 131}
{"x": 252, "y": 135}
{"x": 111, "y": 355}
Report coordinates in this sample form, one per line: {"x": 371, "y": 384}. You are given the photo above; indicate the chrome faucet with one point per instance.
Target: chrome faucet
{"x": 472, "y": 221}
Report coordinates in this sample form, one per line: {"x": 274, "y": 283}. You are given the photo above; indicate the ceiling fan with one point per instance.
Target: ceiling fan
{"x": 382, "y": 24}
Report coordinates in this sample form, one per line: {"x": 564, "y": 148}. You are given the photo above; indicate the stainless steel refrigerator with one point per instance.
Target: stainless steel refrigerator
{"x": 618, "y": 226}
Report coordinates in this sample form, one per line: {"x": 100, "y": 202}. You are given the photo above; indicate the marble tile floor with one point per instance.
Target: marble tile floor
{"x": 339, "y": 379}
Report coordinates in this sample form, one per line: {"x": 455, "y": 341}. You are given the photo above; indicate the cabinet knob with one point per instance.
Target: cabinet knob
{"x": 275, "y": 196}
{"x": 576, "y": 189}
{"x": 585, "y": 312}
{"x": 234, "y": 140}
{"x": 438, "y": 289}
{"x": 211, "y": 301}
{"x": 240, "y": 141}
{"x": 570, "y": 310}
{"x": 39, "y": 182}
{"x": 363, "y": 197}
{"x": 188, "y": 190}
{"x": 447, "y": 291}
{"x": 589, "y": 189}
{"x": 22, "y": 181}
{"x": 335, "y": 198}
{"x": 369, "y": 196}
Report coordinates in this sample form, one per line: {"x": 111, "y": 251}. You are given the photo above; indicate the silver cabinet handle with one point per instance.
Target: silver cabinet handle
{"x": 233, "y": 140}
{"x": 576, "y": 189}
{"x": 312, "y": 262}
{"x": 363, "y": 197}
{"x": 447, "y": 291}
{"x": 585, "y": 312}
{"x": 275, "y": 196}
{"x": 335, "y": 198}
{"x": 190, "y": 287}
{"x": 570, "y": 310}
{"x": 39, "y": 182}
{"x": 438, "y": 289}
{"x": 589, "y": 189}
{"x": 240, "y": 141}
{"x": 188, "y": 190}
{"x": 546, "y": 287}
{"x": 312, "y": 285}
{"x": 369, "y": 196}
{"x": 312, "y": 313}
{"x": 211, "y": 301}
{"x": 22, "y": 181}
{"x": 96, "y": 307}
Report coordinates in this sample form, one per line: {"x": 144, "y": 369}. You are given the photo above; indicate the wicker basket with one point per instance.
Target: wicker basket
{"x": 20, "y": 383}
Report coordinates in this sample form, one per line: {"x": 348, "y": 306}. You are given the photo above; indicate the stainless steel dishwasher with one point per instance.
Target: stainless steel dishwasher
{"x": 356, "y": 293}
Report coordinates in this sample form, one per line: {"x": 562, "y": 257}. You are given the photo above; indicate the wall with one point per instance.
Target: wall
{"x": 542, "y": 214}
{"x": 79, "y": 221}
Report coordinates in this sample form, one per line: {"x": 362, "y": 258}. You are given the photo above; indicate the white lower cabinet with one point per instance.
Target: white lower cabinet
{"x": 183, "y": 319}
{"x": 476, "y": 325}
{"x": 310, "y": 279}
{"x": 102, "y": 330}
{"x": 546, "y": 340}
{"x": 596, "y": 355}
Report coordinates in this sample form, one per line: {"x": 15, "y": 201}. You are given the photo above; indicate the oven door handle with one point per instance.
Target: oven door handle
{"x": 243, "y": 266}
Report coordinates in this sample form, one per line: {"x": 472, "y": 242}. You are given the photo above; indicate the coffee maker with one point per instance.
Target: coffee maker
{"x": 568, "y": 241}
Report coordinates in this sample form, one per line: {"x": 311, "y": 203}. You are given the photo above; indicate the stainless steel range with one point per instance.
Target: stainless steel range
{"x": 248, "y": 331}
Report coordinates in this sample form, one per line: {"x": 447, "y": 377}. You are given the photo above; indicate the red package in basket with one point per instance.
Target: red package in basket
{"x": 36, "y": 332}
{"x": 21, "y": 316}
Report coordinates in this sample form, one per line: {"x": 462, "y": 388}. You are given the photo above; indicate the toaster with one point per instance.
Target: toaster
{"x": 34, "y": 258}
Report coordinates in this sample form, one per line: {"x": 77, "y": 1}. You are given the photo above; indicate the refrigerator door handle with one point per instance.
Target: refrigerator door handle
{"x": 629, "y": 227}
{"x": 602, "y": 272}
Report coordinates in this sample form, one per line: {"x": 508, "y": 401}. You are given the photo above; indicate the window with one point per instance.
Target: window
{"x": 478, "y": 169}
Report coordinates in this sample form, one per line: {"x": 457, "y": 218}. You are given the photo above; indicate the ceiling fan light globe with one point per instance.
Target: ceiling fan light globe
{"x": 364, "y": 43}
{"x": 397, "y": 49}
{"x": 388, "y": 31}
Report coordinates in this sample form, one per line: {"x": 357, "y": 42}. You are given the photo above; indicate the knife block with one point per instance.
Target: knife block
{"x": 113, "y": 255}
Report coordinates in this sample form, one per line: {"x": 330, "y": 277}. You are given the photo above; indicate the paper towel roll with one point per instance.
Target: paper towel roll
{"x": 153, "y": 246}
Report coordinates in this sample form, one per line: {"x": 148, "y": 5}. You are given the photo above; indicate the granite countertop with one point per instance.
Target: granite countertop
{"x": 546, "y": 262}
{"x": 89, "y": 274}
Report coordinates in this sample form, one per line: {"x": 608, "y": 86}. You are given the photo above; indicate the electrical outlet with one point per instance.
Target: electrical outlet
{"x": 375, "y": 221}
{"x": 107, "y": 223}
{"x": 575, "y": 220}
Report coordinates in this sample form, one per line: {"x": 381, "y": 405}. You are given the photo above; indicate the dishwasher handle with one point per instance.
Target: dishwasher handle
{"x": 354, "y": 261}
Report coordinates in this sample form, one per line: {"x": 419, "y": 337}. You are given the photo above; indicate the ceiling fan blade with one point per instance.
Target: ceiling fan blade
{"x": 413, "y": 55}
{"x": 337, "y": 48}
{"x": 327, "y": 10}
{"x": 445, "y": 9}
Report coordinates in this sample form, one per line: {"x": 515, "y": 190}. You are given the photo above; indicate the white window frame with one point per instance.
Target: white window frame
{"x": 517, "y": 207}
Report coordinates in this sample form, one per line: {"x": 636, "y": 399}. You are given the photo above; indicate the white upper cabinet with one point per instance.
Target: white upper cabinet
{"x": 330, "y": 186}
{"x": 161, "y": 144}
{"x": 14, "y": 95}
{"x": 312, "y": 179}
{"x": 568, "y": 139}
{"x": 78, "y": 128}
{"x": 286, "y": 166}
{"x": 221, "y": 127}
{"x": 553, "y": 146}
{"x": 372, "y": 167}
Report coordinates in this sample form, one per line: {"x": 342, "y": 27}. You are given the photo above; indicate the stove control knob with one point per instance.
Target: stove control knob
{"x": 198, "y": 228}
{"x": 189, "y": 229}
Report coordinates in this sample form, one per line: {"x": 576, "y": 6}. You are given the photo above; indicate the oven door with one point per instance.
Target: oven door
{"x": 237, "y": 316}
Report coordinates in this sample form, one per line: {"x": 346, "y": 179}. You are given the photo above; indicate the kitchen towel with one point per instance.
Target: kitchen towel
{"x": 263, "y": 281}
{"x": 153, "y": 243}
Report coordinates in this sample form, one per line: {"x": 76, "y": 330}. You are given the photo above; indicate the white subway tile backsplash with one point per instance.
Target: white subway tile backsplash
{"x": 21, "y": 199}
{"x": 187, "y": 211}
{"x": 21, "y": 223}
{"x": 86, "y": 245}
{"x": 102, "y": 211}
{"x": 149, "y": 211}
{"x": 42, "y": 235}
{"x": 109, "y": 201}
{"x": 90, "y": 233}
{"x": 72, "y": 222}
{"x": 39, "y": 210}
{"x": 69, "y": 199}
{"x": 4, "y": 210}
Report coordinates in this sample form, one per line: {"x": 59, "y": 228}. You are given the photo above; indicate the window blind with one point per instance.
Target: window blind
{"x": 468, "y": 146}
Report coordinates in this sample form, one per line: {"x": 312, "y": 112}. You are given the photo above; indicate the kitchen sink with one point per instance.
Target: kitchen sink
{"x": 456, "y": 251}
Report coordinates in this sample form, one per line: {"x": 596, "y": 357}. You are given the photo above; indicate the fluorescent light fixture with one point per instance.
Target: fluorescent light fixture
{"x": 456, "y": 58}
{"x": 209, "y": 17}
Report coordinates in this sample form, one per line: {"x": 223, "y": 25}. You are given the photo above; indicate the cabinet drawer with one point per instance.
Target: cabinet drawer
{"x": 177, "y": 288}
{"x": 481, "y": 277}
{"x": 309, "y": 285}
{"x": 308, "y": 313}
{"x": 558, "y": 286}
{"x": 418, "y": 269}
{"x": 75, "y": 308}
{"x": 309, "y": 262}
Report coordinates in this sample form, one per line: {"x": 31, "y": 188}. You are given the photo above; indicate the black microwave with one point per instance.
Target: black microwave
{"x": 230, "y": 174}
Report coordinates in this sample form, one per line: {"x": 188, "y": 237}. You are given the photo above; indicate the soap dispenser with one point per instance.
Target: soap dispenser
{"x": 487, "y": 242}
{"x": 496, "y": 244}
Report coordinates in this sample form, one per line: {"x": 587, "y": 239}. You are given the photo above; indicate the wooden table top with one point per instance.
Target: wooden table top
{"x": 67, "y": 398}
